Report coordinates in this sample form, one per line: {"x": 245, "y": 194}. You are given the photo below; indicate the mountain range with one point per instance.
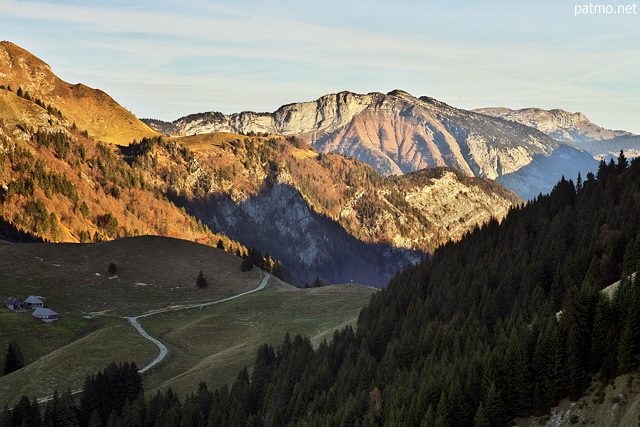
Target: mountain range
{"x": 574, "y": 128}
{"x": 493, "y": 309}
{"x": 398, "y": 133}
{"x": 299, "y": 189}
{"x": 320, "y": 214}
{"x": 62, "y": 183}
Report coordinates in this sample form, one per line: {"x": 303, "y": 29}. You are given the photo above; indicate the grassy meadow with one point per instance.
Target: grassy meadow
{"x": 205, "y": 344}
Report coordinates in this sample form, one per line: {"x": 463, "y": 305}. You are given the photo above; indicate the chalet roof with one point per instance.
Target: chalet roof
{"x": 44, "y": 312}
{"x": 33, "y": 300}
{"x": 13, "y": 300}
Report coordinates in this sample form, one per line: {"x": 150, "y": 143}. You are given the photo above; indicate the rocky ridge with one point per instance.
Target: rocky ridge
{"x": 321, "y": 215}
{"x": 574, "y": 128}
{"x": 559, "y": 124}
{"x": 397, "y": 133}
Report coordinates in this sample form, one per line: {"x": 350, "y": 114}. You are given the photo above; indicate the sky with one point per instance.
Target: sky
{"x": 166, "y": 59}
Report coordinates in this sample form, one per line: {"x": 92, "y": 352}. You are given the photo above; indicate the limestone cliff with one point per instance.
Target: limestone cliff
{"x": 574, "y": 128}
{"x": 397, "y": 133}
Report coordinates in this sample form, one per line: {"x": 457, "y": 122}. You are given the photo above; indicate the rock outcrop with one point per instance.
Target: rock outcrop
{"x": 397, "y": 133}
{"x": 559, "y": 124}
{"x": 574, "y": 128}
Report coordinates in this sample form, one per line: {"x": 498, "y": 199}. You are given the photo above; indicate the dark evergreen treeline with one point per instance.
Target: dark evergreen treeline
{"x": 106, "y": 396}
{"x": 502, "y": 324}
{"x": 254, "y": 257}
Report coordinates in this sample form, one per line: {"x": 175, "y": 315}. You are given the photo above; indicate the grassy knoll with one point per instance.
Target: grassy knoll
{"x": 210, "y": 344}
{"x": 73, "y": 279}
{"x": 205, "y": 141}
{"x": 64, "y": 360}
{"x": 213, "y": 344}
{"x": 152, "y": 272}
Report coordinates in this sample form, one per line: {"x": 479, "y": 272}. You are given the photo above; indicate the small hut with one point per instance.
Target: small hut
{"x": 14, "y": 304}
{"x": 33, "y": 302}
{"x": 45, "y": 314}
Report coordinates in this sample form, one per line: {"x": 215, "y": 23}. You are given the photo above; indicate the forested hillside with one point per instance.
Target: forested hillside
{"x": 472, "y": 336}
{"x": 322, "y": 215}
{"x": 58, "y": 184}
{"x": 502, "y": 324}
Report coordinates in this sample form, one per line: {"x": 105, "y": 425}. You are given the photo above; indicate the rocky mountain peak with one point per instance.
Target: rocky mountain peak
{"x": 559, "y": 124}
{"x": 397, "y": 133}
{"x": 401, "y": 94}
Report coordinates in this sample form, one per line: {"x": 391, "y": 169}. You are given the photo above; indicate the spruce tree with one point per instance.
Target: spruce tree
{"x": 481, "y": 419}
{"x": 13, "y": 360}
{"x": 317, "y": 283}
{"x": 247, "y": 264}
{"x": 201, "y": 282}
{"x": 626, "y": 359}
{"x": 496, "y": 412}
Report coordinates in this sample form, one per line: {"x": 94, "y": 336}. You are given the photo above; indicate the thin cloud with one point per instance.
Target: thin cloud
{"x": 263, "y": 54}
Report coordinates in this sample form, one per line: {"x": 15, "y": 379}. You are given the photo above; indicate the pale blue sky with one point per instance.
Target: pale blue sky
{"x": 165, "y": 59}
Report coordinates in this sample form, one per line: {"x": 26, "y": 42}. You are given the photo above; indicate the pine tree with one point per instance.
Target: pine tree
{"x": 26, "y": 413}
{"x": 622, "y": 162}
{"x": 481, "y": 419}
{"x": 496, "y": 412}
{"x": 5, "y": 417}
{"x": 443, "y": 411}
{"x": 626, "y": 348}
{"x": 95, "y": 420}
{"x": 13, "y": 359}
{"x": 68, "y": 414}
{"x": 201, "y": 282}
{"x": 602, "y": 323}
{"x": 247, "y": 264}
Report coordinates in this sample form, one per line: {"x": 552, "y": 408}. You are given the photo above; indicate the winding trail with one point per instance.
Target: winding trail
{"x": 163, "y": 348}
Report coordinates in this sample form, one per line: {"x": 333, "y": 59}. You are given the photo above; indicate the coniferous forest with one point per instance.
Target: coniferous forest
{"x": 502, "y": 324}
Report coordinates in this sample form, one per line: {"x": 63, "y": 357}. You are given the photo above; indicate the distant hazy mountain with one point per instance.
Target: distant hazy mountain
{"x": 397, "y": 133}
{"x": 572, "y": 127}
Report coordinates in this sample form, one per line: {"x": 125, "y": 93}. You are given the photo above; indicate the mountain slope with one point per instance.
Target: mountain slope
{"x": 397, "y": 133}
{"x": 472, "y": 335}
{"x": 88, "y": 108}
{"x": 321, "y": 215}
{"x": 60, "y": 185}
{"x": 572, "y": 127}
{"x": 559, "y": 124}
{"x": 152, "y": 273}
